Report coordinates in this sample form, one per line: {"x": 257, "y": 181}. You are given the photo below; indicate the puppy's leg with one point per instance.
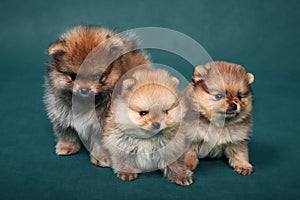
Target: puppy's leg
{"x": 68, "y": 141}
{"x": 190, "y": 157}
{"x": 179, "y": 173}
{"x": 124, "y": 167}
{"x": 100, "y": 156}
{"x": 238, "y": 158}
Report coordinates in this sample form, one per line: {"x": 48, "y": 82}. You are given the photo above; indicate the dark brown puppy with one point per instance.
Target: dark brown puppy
{"x": 88, "y": 82}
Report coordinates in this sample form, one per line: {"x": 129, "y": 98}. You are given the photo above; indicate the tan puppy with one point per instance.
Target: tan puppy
{"x": 141, "y": 130}
{"x": 224, "y": 101}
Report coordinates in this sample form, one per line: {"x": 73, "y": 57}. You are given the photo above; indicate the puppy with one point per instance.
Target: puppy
{"x": 224, "y": 101}
{"x": 141, "y": 130}
{"x": 85, "y": 64}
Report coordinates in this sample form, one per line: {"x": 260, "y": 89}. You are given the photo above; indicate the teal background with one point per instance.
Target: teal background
{"x": 261, "y": 35}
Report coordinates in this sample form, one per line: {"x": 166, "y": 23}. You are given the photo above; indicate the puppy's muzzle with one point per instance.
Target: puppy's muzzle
{"x": 84, "y": 90}
{"x": 233, "y": 106}
{"x": 155, "y": 125}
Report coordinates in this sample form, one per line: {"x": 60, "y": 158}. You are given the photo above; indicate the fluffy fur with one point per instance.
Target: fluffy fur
{"x": 224, "y": 101}
{"x": 85, "y": 64}
{"x": 141, "y": 131}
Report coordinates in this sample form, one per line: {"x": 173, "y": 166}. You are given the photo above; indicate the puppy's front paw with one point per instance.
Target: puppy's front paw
{"x": 126, "y": 176}
{"x": 184, "y": 180}
{"x": 244, "y": 168}
{"x": 179, "y": 174}
{"x": 102, "y": 162}
{"x": 66, "y": 148}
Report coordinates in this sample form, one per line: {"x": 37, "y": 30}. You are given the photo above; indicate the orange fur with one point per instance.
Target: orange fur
{"x": 223, "y": 99}
{"x": 86, "y": 62}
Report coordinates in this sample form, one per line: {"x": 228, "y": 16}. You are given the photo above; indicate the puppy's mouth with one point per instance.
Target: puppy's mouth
{"x": 229, "y": 113}
{"x": 84, "y": 95}
{"x": 143, "y": 133}
{"x": 152, "y": 132}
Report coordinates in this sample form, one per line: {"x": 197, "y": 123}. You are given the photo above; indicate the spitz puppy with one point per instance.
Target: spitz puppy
{"x": 71, "y": 76}
{"x": 141, "y": 130}
{"x": 224, "y": 101}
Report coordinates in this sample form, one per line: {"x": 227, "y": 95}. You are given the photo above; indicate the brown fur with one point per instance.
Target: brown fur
{"x": 225, "y": 123}
{"x": 86, "y": 57}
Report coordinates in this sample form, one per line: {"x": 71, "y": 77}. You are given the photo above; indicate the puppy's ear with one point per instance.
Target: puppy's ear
{"x": 200, "y": 73}
{"x": 250, "y": 78}
{"x": 175, "y": 81}
{"x": 127, "y": 84}
{"x": 111, "y": 78}
{"x": 116, "y": 46}
{"x": 57, "y": 48}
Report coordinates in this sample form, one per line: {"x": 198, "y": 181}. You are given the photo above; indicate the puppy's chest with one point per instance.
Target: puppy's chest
{"x": 222, "y": 135}
{"x": 86, "y": 124}
{"x": 147, "y": 154}
{"x": 215, "y": 139}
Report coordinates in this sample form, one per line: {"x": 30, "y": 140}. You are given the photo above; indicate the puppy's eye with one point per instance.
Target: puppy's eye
{"x": 219, "y": 96}
{"x": 143, "y": 113}
{"x": 240, "y": 97}
{"x": 73, "y": 76}
{"x": 166, "y": 112}
{"x": 97, "y": 77}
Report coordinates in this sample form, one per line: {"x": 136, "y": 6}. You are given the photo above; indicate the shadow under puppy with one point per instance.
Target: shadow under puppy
{"x": 141, "y": 132}
{"x": 224, "y": 101}
{"x": 85, "y": 64}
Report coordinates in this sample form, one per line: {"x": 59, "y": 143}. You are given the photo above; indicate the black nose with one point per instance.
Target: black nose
{"x": 155, "y": 125}
{"x": 84, "y": 90}
{"x": 233, "y": 106}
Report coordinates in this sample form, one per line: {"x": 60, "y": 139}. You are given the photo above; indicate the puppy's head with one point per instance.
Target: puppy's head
{"x": 223, "y": 91}
{"x": 85, "y": 61}
{"x": 149, "y": 102}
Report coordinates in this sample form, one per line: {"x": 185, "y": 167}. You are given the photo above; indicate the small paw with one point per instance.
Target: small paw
{"x": 184, "y": 181}
{"x": 65, "y": 148}
{"x": 181, "y": 176}
{"x": 102, "y": 162}
{"x": 244, "y": 169}
{"x": 126, "y": 176}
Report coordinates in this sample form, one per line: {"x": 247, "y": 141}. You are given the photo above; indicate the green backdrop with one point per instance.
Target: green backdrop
{"x": 261, "y": 35}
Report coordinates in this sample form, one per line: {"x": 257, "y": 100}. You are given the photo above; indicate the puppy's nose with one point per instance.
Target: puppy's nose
{"x": 85, "y": 90}
{"x": 155, "y": 125}
{"x": 233, "y": 106}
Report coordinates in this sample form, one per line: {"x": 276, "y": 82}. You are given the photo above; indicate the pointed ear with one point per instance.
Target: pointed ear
{"x": 127, "y": 84}
{"x": 250, "y": 78}
{"x": 116, "y": 46}
{"x": 200, "y": 73}
{"x": 58, "y": 47}
{"x": 175, "y": 81}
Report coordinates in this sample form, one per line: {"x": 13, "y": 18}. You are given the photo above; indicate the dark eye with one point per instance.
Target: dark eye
{"x": 239, "y": 96}
{"x": 73, "y": 76}
{"x": 143, "y": 113}
{"x": 219, "y": 96}
{"x": 242, "y": 95}
{"x": 166, "y": 112}
{"x": 97, "y": 77}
